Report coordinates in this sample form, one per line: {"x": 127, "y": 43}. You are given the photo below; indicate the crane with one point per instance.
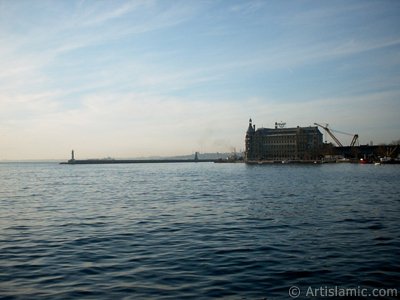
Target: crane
{"x": 329, "y": 131}
{"x": 354, "y": 140}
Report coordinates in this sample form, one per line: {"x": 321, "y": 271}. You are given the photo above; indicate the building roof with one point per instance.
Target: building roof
{"x": 292, "y": 130}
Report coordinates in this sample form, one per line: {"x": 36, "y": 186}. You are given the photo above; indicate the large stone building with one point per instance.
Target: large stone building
{"x": 281, "y": 144}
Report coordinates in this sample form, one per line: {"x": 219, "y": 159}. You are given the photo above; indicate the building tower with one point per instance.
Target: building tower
{"x": 249, "y": 152}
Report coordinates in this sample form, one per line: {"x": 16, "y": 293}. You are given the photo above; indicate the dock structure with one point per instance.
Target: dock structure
{"x": 132, "y": 161}
{"x": 74, "y": 161}
{"x": 364, "y": 151}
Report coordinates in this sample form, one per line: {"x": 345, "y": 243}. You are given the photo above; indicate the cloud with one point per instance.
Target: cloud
{"x": 96, "y": 17}
{"x": 154, "y": 78}
{"x": 248, "y": 7}
{"x": 129, "y": 124}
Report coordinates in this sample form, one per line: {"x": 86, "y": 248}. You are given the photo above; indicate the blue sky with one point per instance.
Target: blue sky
{"x": 141, "y": 78}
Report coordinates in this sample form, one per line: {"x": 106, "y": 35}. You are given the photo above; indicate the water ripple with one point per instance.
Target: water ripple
{"x": 195, "y": 231}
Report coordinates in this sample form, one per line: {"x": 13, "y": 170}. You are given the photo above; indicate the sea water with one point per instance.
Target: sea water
{"x": 197, "y": 230}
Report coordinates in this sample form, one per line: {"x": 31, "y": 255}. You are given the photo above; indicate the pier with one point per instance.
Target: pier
{"x": 74, "y": 161}
{"x": 131, "y": 161}
{"x": 364, "y": 151}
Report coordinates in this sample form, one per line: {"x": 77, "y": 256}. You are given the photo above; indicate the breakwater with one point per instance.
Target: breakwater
{"x": 131, "y": 161}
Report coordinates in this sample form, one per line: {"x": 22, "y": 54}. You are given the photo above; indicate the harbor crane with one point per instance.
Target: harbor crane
{"x": 329, "y": 131}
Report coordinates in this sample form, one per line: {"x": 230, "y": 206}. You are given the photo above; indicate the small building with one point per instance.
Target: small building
{"x": 280, "y": 143}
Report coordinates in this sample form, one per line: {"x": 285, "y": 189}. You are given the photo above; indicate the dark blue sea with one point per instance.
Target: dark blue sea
{"x": 198, "y": 231}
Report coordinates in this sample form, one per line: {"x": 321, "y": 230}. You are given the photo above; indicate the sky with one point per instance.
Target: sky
{"x": 160, "y": 78}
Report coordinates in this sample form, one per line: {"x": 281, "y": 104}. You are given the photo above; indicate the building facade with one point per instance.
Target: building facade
{"x": 280, "y": 144}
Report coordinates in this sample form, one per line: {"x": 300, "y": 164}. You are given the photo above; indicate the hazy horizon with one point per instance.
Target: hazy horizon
{"x": 165, "y": 78}
{"x": 67, "y": 156}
